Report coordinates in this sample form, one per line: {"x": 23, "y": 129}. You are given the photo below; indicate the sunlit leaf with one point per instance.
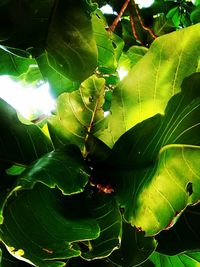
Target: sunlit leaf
{"x": 80, "y": 113}
{"x": 182, "y": 260}
{"x": 58, "y": 82}
{"x": 158, "y": 181}
{"x": 143, "y": 94}
{"x": 12, "y": 64}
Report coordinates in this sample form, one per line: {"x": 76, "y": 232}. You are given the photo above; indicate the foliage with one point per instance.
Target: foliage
{"x": 111, "y": 177}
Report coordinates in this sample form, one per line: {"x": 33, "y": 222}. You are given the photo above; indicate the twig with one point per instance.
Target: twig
{"x": 141, "y": 21}
{"x": 134, "y": 30}
{"x": 117, "y": 19}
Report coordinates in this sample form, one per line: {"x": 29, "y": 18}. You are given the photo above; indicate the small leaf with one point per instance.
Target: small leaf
{"x": 80, "y": 113}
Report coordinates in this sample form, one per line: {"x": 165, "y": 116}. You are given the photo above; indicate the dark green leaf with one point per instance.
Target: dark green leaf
{"x": 195, "y": 15}
{"x": 135, "y": 248}
{"x": 78, "y": 262}
{"x": 20, "y": 143}
{"x": 64, "y": 169}
{"x": 61, "y": 28}
{"x": 105, "y": 211}
{"x": 44, "y": 226}
{"x": 184, "y": 235}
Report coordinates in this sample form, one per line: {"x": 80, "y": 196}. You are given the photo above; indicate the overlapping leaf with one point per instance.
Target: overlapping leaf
{"x": 143, "y": 94}
{"x": 80, "y": 113}
{"x": 44, "y": 226}
{"x": 158, "y": 189}
{"x": 135, "y": 248}
{"x": 106, "y": 212}
{"x": 184, "y": 235}
{"x": 20, "y": 143}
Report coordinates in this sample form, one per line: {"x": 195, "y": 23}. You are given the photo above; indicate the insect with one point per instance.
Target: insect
{"x": 47, "y": 250}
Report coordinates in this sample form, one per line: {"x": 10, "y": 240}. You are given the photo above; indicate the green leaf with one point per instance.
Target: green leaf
{"x": 44, "y": 226}
{"x": 195, "y": 15}
{"x": 143, "y": 94}
{"x": 64, "y": 169}
{"x": 80, "y": 113}
{"x": 162, "y": 25}
{"x": 106, "y": 57}
{"x": 58, "y": 82}
{"x": 158, "y": 182}
{"x": 12, "y": 64}
{"x": 188, "y": 259}
{"x": 135, "y": 248}
{"x": 184, "y": 235}
{"x": 61, "y": 29}
{"x": 104, "y": 209}
{"x": 20, "y": 143}
{"x": 78, "y": 262}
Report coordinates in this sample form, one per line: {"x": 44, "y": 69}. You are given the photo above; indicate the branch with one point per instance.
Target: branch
{"x": 134, "y": 30}
{"x": 141, "y": 21}
{"x": 117, "y": 19}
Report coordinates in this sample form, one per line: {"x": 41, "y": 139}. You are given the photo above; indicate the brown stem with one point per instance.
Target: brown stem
{"x": 117, "y": 19}
{"x": 141, "y": 21}
{"x": 134, "y": 30}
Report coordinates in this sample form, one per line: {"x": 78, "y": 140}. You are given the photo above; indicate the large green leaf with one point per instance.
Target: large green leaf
{"x": 80, "y": 113}
{"x": 61, "y": 28}
{"x": 44, "y": 226}
{"x": 20, "y": 143}
{"x": 143, "y": 94}
{"x": 158, "y": 182}
{"x": 106, "y": 212}
{"x": 135, "y": 248}
{"x": 182, "y": 260}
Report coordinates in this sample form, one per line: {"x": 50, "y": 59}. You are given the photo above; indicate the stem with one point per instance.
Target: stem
{"x": 141, "y": 21}
{"x": 117, "y": 19}
{"x": 134, "y": 30}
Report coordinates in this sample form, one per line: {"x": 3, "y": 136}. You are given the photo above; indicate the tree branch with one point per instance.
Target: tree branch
{"x": 117, "y": 19}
